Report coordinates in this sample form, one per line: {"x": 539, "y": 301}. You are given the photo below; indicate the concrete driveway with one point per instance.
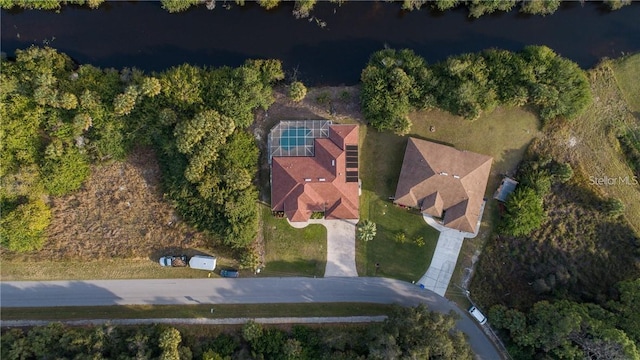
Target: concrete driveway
{"x": 443, "y": 263}
{"x": 444, "y": 259}
{"x": 341, "y": 246}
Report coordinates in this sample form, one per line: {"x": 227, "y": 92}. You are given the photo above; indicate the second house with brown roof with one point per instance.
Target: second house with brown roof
{"x": 314, "y": 168}
{"x": 444, "y": 183}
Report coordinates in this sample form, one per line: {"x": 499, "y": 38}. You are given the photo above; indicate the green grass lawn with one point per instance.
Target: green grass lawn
{"x": 589, "y": 141}
{"x": 290, "y": 251}
{"x": 626, "y": 71}
{"x": 380, "y": 162}
{"x": 196, "y": 311}
{"x": 406, "y": 261}
{"x": 503, "y": 134}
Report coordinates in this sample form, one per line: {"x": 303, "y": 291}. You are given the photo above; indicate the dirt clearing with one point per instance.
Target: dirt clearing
{"x": 118, "y": 213}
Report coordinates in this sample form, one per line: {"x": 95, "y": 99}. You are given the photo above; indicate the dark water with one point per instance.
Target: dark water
{"x": 143, "y": 35}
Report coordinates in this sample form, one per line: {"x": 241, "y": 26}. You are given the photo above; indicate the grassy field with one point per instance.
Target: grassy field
{"x": 220, "y": 311}
{"x": 18, "y": 269}
{"x": 589, "y": 142}
{"x": 290, "y": 251}
{"x": 503, "y": 134}
{"x": 626, "y": 72}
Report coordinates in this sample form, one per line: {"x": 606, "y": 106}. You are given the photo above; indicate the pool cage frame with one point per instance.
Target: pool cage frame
{"x": 304, "y": 144}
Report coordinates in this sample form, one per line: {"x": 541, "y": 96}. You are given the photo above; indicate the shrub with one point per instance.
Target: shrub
{"x": 613, "y": 207}
{"x": 22, "y": 229}
{"x": 297, "y": 91}
{"x": 66, "y": 173}
{"x": 524, "y": 212}
{"x": 323, "y": 98}
{"x": 367, "y": 230}
{"x": 400, "y": 238}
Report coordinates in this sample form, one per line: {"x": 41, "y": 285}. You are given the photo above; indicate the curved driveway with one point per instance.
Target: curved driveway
{"x": 237, "y": 291}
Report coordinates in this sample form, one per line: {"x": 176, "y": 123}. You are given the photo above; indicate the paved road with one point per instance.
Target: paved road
{"x": 237, "y": 291}
{"x": 341, "y": 246}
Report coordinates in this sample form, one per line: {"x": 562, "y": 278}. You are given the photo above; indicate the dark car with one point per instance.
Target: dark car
{"x": 230, "y": 273}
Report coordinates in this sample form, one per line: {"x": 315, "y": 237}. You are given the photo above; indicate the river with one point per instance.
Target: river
{"x": 143, "y": 35}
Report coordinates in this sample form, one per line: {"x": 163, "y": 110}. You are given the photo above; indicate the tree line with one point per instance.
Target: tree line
{"x": 395, "y": 82}
{"x": 571, "y": 330}
{"x": 408, "y": 333}
{"x": 303, "y": 8}
{"x": 59, "y": 118}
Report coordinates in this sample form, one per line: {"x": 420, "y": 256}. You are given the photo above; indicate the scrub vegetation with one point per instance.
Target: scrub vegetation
{"x": 60, "y": 119}
{"x": 569, "y": 286}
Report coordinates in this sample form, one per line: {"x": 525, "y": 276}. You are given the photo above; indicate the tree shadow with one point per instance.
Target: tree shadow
{"x": 56, "y": 293}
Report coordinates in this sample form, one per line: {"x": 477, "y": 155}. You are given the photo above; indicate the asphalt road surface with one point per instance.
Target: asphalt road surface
{"x": 238, "y": 291}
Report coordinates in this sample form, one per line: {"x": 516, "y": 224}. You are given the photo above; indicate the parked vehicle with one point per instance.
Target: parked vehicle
{"x": 174, "y": 260}
{"x": 203, "y": 262}
{"x": 478, "y": 315}
{"x": 230, "y": 273}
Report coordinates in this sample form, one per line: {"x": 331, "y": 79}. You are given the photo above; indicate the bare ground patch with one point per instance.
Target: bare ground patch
{"x": 118, "y": 213}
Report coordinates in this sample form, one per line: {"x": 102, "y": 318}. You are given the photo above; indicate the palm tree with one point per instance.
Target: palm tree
{"x": 366, "y": 230}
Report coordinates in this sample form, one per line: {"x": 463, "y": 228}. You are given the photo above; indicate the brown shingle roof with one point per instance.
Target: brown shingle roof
{"x": 440, "y": 179}
{"x": 302, "y": 185}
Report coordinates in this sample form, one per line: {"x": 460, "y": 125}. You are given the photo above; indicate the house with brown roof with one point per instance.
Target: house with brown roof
{"x": 322, "y": 177}
{"x": 444, "y": 183}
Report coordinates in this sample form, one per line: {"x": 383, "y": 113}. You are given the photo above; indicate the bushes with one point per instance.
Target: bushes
{"x": 297, "y": 91}
{"x": 58, "y": 119}
{"x": 524, "y": 212}
{"x": 390, "y": 88}
{"x": 22, "y": 229}
{"x": 66, "y": 173}
{"x": 396, "y": 82}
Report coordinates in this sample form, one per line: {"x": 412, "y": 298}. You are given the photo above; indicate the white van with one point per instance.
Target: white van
{"x": 478, "y": 315}
{"x": 203, "y": 262}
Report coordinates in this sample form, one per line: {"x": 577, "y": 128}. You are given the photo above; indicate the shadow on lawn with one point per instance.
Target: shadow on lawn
{"x": 282, "y": 268}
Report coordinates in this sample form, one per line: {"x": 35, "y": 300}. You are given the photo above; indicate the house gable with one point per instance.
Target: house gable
{"x": 445, "y": 182}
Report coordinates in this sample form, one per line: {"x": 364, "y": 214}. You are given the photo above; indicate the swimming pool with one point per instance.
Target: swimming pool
{"x": 294, "y": 137}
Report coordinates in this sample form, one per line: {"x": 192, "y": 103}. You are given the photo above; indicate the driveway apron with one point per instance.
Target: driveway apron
{"x": 443, "y": 263}
{"x": 341, "y": 246}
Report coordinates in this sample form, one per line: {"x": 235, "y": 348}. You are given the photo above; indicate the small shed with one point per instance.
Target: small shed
{"x": 507, "y": 186}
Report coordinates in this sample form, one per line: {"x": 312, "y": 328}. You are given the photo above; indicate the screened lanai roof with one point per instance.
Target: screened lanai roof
{"x": 296, "y": 137}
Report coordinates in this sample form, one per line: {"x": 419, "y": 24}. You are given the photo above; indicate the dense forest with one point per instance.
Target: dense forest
{"x": 408, "y": 333}
{"x": 59, "y": 118}
{"x": 303, "y": 8}
{"x": 396, "y": 82}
